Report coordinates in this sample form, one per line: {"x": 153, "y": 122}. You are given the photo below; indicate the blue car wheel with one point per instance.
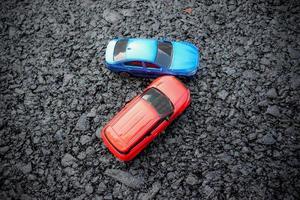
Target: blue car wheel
{"x": 124, "y": 74}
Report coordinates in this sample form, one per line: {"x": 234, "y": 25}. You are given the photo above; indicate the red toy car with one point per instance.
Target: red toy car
{"x": 145, "y": 117}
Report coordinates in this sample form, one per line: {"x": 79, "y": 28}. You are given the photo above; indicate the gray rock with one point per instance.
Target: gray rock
{"x": 171, "y": 175}
{"x": 12, "y": 32}
{"x": 80, "y": 197}
{"x": 191, "y": 179}
{"x": 101, "y": 188}
{"x": 250, "y": 74}
{"x": 267, "y": 139}
{"x": 203, "y": 135}
{"x": 240, "y": 51}
{"x": 70, "y": 171}
{"x": 208, "y": 191}
{"x": 223, "y": 94}
{"x": 92, "y": 113}
{"x": 155, "y": 26}
{"x": 125, "y": 178}
{"x": 117, "y": 192}
{"x": 276, "y": 154}
{"x": 4, "y": 149}
{"x": 229, "y": 71}
{"x": 294, "y": 54}
{"x": 26, "y": 197}
{"x": 111, "y": 16}
{"x": 152, "y": 192}
{"x": 28, "y": 151}
{"x": 50, "y": 180}
{"x": 97, "y": 197}
{"x": 263, "y": 103}
{"x": 89, "y": 189}
{"x": 67, "y": 160}
{"x": 89, "y": 151}
{"x": 295, "y": 81}
{"x": 265, "y": 61}
{"x": 225, "y": 157}
{"x": 83, "y": 123}
{"x": 108, "y": 197}
{"x": 272, "y": 93}
{"x": 273, "y": 110}
{"x": 127, "y": 12}
{"x": 36, "y": 140}
{"x": 98, "y": 131}
{"x": 245, "y": 150}
{"x": 26, "y": 168}
{"x": 59, "y": 135}
{"x": 58, "y": 61}
{"x": 67, "y": 78}
{"x": 93, "y": 23}
{"x": 213, "y": 175}
{"x": 81, "y": 155}
{"x": 84, "y": 139}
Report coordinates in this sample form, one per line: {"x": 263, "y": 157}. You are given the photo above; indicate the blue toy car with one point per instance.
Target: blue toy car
{"x": 151, "y": 58}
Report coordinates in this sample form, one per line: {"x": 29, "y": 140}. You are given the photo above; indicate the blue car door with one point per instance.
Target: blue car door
{"x": 134, "y": 67}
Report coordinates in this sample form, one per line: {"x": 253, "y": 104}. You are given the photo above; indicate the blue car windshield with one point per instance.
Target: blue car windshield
{"x": 120, "y": 49}
{"x": 164, "y": 54}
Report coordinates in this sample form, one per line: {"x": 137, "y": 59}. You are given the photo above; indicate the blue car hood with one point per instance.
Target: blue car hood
{"x": 185, "y": 57}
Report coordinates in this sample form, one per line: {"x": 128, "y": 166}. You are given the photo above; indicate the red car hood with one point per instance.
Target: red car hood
{"x": 131, "y": 125}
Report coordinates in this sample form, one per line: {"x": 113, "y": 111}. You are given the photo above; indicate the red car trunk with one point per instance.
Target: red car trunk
{"x": 132, "y": 126}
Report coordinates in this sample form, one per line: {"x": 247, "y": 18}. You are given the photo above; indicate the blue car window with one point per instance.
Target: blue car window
{"x": 120, "y": 49}
{"x": 159, "y": 101}
{"x": 151, "y": 65}
{"x": 164, "y": 53}
{"x": 134, "y": 63}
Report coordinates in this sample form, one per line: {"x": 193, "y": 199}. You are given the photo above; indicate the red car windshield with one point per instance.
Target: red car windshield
{"x": 159, "y": 101}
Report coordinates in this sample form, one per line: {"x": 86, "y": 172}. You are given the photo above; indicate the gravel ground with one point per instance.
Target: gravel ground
{"x": 239, "y": 139}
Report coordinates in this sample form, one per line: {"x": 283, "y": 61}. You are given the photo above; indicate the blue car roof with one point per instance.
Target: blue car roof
{"x": 141, "y": 50}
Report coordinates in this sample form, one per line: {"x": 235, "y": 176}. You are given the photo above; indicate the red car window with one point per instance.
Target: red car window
{"x": 134, "y": 63}
{"x": 151, "y": 65}
{"x": 159, "y": 101}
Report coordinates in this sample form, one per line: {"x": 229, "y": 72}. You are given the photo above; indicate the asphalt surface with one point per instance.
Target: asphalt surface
{"x": 239, "y": 139}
